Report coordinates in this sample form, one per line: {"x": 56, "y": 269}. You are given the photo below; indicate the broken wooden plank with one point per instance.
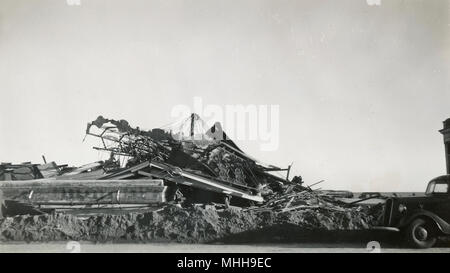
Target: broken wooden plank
{"x": 70, "y": 192}
{"x": 86, "y": 168}
{"x": 299, "y": 207}
{"x": 48, "y": 170}
{"x": 289, "y": 202}
{"x": 92, "y": 175}
{"x": 181, "y": 176}
{"x": 128, "y": 170}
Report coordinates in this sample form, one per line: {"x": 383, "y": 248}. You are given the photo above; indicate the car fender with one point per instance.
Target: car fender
{"x": 441, "y": 224}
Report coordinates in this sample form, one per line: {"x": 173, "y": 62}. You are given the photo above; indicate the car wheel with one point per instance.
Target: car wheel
{"x": 421, "y": 234}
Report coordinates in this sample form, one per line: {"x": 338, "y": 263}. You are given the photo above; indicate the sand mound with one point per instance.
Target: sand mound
{"x": 174, "y": 224}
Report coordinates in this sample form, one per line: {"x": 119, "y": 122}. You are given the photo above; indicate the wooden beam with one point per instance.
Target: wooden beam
{"x": 200, "y": 182}
{"x": 72, "y": 192}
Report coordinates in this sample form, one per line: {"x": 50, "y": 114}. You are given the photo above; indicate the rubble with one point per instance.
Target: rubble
{"x": 209, "y": 153}
{"x": 29, "y": 171}
{"x": 289, "y": 213}
{"x": 166, "y": 185}
{"x": 194, "y": 224}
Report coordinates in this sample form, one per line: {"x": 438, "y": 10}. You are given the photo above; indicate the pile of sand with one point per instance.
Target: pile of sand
{"x": 174, "y": 224}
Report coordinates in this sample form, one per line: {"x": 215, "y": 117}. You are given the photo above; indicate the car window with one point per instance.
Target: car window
{"x": 441, "y": 188}
{"x": 437, "y": 187}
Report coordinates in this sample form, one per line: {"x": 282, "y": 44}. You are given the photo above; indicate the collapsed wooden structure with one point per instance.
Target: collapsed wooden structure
{"x": 149, "y": 168}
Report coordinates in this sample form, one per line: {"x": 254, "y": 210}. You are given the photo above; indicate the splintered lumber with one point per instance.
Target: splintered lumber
{"x": 289, "y": 203}
{"x": 79, "y": 192}
{"x": 299, "y": 207}
{"x": 48, "y": 169}
{"x": 92, "y": 175}
{"x": 321, "y": 181}
{"x": 363, "y": 199}
{"x": 127, "y": 172}
{"x": 187, "y": 178}
{"x": 87, "y": 167}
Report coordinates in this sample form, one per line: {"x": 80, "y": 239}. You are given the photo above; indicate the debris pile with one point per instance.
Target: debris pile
{"x": 305, "y": 199}
{"x": 180, "y": 183}
{"x": 206, "y": 152}
{"x": 28, "y": 171}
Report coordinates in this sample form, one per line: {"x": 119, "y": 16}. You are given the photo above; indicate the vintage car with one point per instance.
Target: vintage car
{"x": 421, "y": 219}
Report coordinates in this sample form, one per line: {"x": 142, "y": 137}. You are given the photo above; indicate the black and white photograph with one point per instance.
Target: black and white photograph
{"x": 224, "y": 126}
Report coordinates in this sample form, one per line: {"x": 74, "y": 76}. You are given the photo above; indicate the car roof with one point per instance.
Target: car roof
{"x": 441, "y": 178}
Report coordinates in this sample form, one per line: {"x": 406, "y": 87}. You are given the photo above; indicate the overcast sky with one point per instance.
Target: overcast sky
{"x": 362, "y": 90}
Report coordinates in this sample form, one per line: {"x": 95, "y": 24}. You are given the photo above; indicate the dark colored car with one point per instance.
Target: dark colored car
{"x": 421, "y": 219}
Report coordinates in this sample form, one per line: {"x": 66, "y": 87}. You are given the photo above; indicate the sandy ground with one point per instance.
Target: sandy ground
{"x": 87, "y": 247}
